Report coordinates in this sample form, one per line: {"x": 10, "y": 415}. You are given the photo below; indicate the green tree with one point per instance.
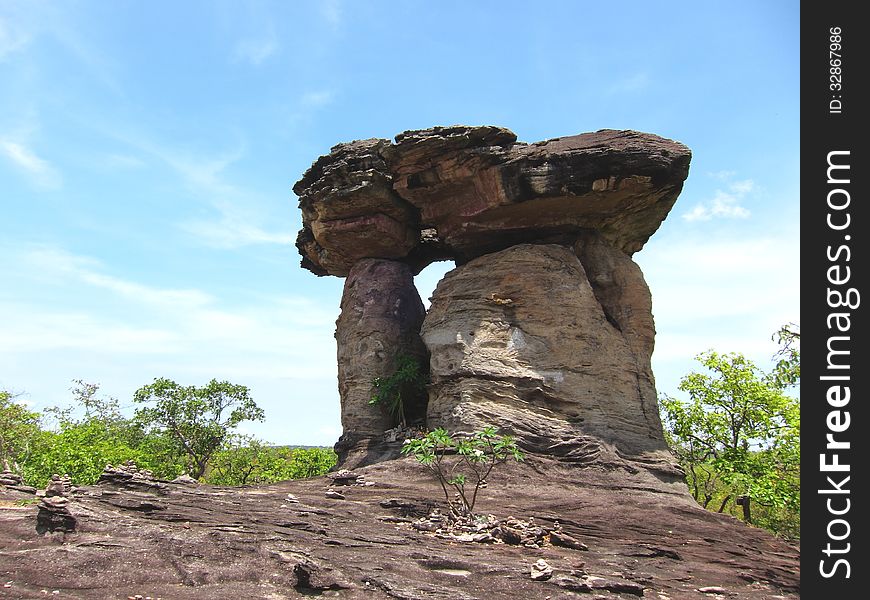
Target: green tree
{"x": 787, "y": 371}
{"x": 311, "y": 462}
{"x": 738, "y": 435}
{"x": 404, "y": 387}
{"x": 82, "y": 447}
{"x": 244, "y": 460}
{"x": 199, "y": 419}
{"x": 19, "y": 430}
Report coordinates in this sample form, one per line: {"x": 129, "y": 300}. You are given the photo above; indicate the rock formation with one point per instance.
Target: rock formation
{"x": 381, "y": 315}
{"x": 603, "y": 534}
{"x": 544, "y": 328}
{"x": 520, "y": 340}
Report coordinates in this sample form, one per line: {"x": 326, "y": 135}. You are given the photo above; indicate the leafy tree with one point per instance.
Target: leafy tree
{"x": 787, "y": 371}
{"x": 738, "y": 435}
{"x": 407, "y": 382}
{"x": 82, "y": 447}
{"x": 477, "y": 456}
{"x": 311, "y": 462}
{"x": 199, "y": 419}
{"x": 19, "y": 429}
{"x": 244, "y": 460}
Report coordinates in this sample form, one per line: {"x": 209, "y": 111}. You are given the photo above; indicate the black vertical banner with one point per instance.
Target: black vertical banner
{"x": 835, "y": 342}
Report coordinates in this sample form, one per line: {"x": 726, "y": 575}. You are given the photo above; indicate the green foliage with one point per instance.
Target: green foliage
{"x": 473, "y": 459}
{"x": 83, "y": 449}
{"x": 787, "y": 371}
{"x": 195, "y": 417}
{"x": 81, "y": 446}
{"x": 244, "y": 460}
{"x": 19, "y": 429}
{"x": 739, "y": 435}
{"x": 408, "y": 381}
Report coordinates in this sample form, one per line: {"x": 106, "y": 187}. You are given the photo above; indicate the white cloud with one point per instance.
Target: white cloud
{"x": 316, "y": 99}
{"x": 635, "y": 82}
{"x": 123, "y": 161}
{"x": 54, "y": 262}
{"x": 65, "y": 316}
{"x": 725, "y": 204}
{"x": 723, "y": 174}
{"x": 332, "y": 12}
{"x": 256, "y": 50}
{"x": 726, "y": 294}
{"x": 236, "y": 222}
{"x": 12, "y": 38}
{"x": 36, "y": 168}
{"x": 229, "y": 233}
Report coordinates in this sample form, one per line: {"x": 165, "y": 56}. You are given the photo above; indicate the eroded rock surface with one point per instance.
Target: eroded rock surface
{"x": 350, "y": 211}
{"x": 545, "y": 329}
{"x": 381, "y": 315}
{"x": 519, "y": 339}
{"x": 288, "y": 540}
{"x": 460, "y": 192}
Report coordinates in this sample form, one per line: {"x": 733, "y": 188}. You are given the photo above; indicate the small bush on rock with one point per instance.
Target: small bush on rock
{"x": 406, "y": 383}
{"x": 473, "y": 459}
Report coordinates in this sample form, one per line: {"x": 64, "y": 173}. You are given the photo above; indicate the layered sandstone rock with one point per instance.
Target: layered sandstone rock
{"x": 381, "y": 315}
{"x": 460, "y": 192}
{"x": 545, "y": 329}
{"x": 519, "y": 339}
{"x": 350, "y": 212}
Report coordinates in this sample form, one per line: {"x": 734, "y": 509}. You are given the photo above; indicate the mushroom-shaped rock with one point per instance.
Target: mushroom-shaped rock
{"x": 545, "y": 328}
{"x": 460, "y": 192}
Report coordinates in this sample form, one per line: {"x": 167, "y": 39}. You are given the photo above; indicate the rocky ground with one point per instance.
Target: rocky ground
{"x": 616, "y": 537}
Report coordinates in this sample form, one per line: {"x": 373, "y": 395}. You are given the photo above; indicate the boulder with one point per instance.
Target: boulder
{"x": 380, "y": 319}
{"x": 520, "y": 340}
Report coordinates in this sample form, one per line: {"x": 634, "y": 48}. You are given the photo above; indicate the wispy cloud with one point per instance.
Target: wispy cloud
{"x": 189, "y": 318}
{"x": 316, "y": 99}
{"x": 256, "y": 50}
{"x": 23, "y": 24}
{"x": 635, "y": 82}
{"x": 730, "y": 294}
{"x": 123, "y": 161}
{"x": 332, "y": 12}
{"x": 55, "y": 262}
{"x": 37, "y": 169}
{"x": 235, "y": 221}
{"x": 724, "y": 175}
{"x": 230, "y": 231}
{"x": 725, "y": 204}
{"x": 13, "y": 38}
{"x": 66, "y": 316}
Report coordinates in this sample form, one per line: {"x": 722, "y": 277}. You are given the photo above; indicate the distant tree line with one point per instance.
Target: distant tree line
{"x": 177, "y": 429}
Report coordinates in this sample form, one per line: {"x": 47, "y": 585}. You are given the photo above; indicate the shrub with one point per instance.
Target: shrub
{"x": 475, "y": 458}
{"x": 406, "y": 383}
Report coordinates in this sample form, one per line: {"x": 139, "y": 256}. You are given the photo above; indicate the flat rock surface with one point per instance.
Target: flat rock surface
{"x": 183, "y": 541}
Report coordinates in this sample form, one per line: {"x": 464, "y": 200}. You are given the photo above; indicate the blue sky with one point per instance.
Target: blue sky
{"x": 147, "y": 151}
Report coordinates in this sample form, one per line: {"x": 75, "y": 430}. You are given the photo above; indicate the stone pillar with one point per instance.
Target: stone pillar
{"x": 520, "y": 340}
{"x": 381, "y": 315}
{"x": 624, "y": 296}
